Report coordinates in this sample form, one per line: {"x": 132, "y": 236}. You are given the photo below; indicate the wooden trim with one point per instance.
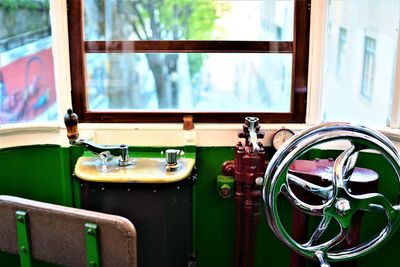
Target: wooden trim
{"x": 77, "y": 56}
{"x": 299, "y": 47}
{"x": 188, "y": 47}
{"x": 301, "y": 41}
{"x": 168, "y": 117}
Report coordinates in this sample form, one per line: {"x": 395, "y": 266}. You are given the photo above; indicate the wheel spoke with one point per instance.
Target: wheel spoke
{"x": 323, "y": 225}
{"x": 312, "y": 210}
{"x": 376, "y": 202}
{"x": 344, "y": 166}
{"x": 331, "y": 243}
{"x": 351, "y": 162}
{"x": 324, "y": 192}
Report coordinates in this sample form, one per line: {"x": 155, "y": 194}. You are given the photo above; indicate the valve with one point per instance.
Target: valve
{"x": 171, "y": 159}
{"x": 339, "y": 203}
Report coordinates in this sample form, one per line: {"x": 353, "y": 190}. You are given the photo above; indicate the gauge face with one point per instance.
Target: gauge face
{"x": 280, "y": 137}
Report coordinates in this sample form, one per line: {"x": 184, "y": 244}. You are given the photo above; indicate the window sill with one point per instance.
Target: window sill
{"x": 155, "y": 134}
{"x": 16, "y": 128}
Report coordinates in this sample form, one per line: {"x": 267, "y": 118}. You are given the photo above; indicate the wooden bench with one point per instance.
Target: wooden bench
{"x": 66, "y": 236}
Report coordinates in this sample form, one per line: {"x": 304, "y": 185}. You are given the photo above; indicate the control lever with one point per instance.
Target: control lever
{"x": 121, "y": 151}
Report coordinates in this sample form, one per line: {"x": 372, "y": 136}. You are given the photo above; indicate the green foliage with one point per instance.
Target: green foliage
{"x": 195, "y": 64}
{"x": 172, "y": 19}
{"x": 188, "y": 19}
{"x": 175, "y": 20}
{"x": 13, "y": 5}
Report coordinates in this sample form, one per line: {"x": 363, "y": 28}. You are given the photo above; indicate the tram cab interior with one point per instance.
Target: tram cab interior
{"x": 179, "y": 133}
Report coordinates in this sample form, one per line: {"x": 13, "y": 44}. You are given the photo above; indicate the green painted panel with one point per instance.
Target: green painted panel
{"x": 215, "y": 218}
{"x": 37, "y": 172}
{"x": 214, "y": 225}
{"x": 44, "y": 173}
{"x": 11, "y": 260}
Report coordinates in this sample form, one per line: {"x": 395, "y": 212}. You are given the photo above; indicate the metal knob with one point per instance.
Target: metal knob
{"x": 171, "y": 156}
{"x": 252, "y": 123}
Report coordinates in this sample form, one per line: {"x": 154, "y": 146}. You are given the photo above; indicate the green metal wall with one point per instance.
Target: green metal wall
{"x": 44, "y": 173}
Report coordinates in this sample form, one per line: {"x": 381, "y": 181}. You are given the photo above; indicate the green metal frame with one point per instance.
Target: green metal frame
{"x": 92, "y": 245}
{"x": 23, "y": 238}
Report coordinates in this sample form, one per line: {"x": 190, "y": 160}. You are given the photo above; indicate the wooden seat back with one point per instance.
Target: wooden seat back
{"x": 57, "y": 233}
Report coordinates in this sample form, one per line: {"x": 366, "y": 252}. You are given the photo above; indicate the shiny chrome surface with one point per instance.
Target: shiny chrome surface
{"x": 120, "y": 151}
{"x": 339, "y": 204}
{"x": 253, "y": 124}
{"x": 171, "y": 156}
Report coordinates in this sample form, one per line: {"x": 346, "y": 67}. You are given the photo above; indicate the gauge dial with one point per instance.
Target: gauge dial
{"x": 280, "y": 137}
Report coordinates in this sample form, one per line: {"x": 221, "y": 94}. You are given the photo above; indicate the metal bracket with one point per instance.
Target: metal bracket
{"x": 92, "y": 245}
{"x": 23, "y": 238}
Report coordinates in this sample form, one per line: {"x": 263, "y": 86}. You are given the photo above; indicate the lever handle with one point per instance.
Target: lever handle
{"x": 71, "y": 122}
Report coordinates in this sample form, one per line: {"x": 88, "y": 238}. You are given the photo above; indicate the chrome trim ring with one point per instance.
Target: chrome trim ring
{"x": 340, "y": 204}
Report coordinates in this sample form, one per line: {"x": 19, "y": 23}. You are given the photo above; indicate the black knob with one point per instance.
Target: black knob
{"x": 71, "y": 122}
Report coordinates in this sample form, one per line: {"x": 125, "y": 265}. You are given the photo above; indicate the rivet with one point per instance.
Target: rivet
{"x": 20, "y": 218}
{"x": 23, "y": 249}
{"x": 90, "y": 231}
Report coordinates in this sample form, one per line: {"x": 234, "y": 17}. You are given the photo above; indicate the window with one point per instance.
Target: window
{"x": 341, "y": 51}
{"x": 363, "y": 93}
{"x": 367, "y": 81}
{"x": 27, "y": 87}
{"x": 216, "y": 60}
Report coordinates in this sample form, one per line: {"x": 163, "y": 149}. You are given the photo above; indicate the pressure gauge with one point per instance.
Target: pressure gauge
{"x": 280, "y": 137}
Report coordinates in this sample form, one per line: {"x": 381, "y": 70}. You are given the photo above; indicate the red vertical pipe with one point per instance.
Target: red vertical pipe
{"x": 247, "y": 214}
{"x": 238, "y": 239}
{"x": 239, "y": 198}
{"x": 256, "y": 194}
{"x": 249, "y": 164}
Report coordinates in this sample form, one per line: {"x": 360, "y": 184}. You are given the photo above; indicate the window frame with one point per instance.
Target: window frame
{"x": 342, "y": 47}
{"x": 299, "y": 48}
{"x": 368, "y": 68}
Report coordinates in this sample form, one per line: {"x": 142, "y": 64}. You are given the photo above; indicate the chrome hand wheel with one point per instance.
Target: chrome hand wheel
{"x": 338, "y": 204}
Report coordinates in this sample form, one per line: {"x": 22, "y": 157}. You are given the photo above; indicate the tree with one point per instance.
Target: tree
{"x": 168, "y": 20}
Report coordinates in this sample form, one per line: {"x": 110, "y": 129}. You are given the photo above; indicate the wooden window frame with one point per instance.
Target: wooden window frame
{"x": 299, "y": 48}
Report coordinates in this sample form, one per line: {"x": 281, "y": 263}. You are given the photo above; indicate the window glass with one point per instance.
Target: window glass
{"x": 342, "y": 51}
{"x": 190, "y": 81}
{"x": 360, "y": 61}
{"x": 108, "y": 20}
{"x": 368, "y": 73}
{"x": 27, "y": 87}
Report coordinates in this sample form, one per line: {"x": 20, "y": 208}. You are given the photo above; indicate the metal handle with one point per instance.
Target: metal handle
{"x": 71, "y": 122}
{"x": 171, "y": 156}
{"x": 252, "y": 123}
{"x": 339, "y": 203}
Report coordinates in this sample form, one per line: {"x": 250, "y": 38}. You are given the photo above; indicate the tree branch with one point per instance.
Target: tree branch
{"x": 153, "y": 21}
{"x": 141, "y": 21}
{"x": 135, "y": 29}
